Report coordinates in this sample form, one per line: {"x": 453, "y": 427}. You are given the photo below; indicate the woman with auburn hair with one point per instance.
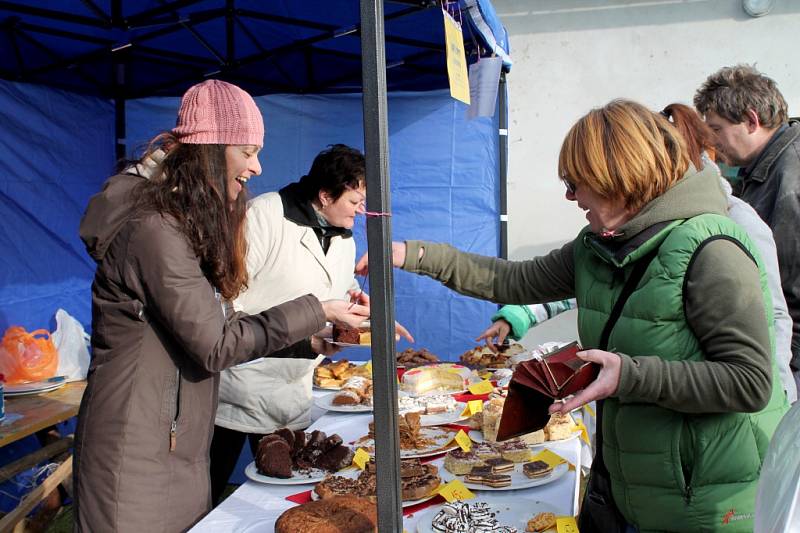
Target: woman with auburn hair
{"x": 673, "y": 306}
{"x": 168, "y": 237}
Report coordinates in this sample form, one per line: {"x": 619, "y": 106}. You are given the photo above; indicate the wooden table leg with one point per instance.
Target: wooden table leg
{"x": 31, "y": 499}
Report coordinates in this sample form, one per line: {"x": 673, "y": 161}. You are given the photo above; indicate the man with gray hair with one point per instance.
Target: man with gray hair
{"x": 750, "y": 118}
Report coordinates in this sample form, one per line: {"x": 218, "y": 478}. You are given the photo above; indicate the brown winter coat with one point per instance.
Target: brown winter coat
{"x": 159, "y": 339}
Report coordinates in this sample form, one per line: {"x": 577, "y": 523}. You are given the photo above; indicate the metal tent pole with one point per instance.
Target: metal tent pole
{"x": 503, "y": 165}
{"x": 379, "y": 238}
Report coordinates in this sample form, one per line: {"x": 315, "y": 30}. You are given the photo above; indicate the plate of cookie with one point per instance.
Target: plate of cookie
{"x": 510, "y": 515}
{"x": 419, "y": 482}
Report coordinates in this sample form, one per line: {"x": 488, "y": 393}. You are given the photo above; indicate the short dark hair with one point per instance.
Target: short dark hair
{"x": 335, "y": 169}
{"x": 732, "y": 91}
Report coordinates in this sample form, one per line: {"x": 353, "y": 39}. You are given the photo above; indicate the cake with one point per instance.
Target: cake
{"x": 334, "y": 375}
{"x": 515, "y": 450}
{"x": 500, "y": 465}
{"x": 348, "y": 334}
{"x": 463, "y": 517}
{"x": 443, "y": 376}
{"x": 485, "y": 450}
{"x": 355, "y": 391}
{"x": 490, "y": 480}
{"x": 417, "y": 481}
{"x": 426, "y": 405}
{"x": 341, "y": 514}
{"x": 536, "y": 437}
{"x": 536, "y": 469}
{"x": 459, "y": 462}
{"x": 492, "y": 411}
{"x": 560, "y": 427}
{"x": 283, "y": 451}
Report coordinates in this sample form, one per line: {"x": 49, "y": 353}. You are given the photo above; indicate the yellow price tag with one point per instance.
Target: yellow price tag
{"x": 486, "y": 375}
{"x": 456, "y": 59}
{"x": 482, "y": 387}
{"x": 584, "y": 432}
{"x": 552, "y": 459}
{"x": 463, "y": 440}
{"x": 361, "y": 458}
{"x": 455, "y": 490}
{"x": 590, "y": 410}
{"x": 566, "y": 524}
{"x": 368, "y": 367}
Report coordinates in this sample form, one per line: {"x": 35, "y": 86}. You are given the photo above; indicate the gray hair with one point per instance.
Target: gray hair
{"x": 732, "y": 91}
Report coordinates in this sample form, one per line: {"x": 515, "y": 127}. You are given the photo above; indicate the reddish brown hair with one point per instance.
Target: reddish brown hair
{"x": 698, "y": 136}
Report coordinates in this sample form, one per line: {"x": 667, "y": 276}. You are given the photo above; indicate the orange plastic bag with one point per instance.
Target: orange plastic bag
{"x": 26, "y": 357}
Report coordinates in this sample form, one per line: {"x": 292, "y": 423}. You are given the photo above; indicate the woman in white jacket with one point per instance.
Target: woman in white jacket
{"x": 299, "y": 242}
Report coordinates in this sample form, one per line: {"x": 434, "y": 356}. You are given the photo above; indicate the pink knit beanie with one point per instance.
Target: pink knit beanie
{"x": 216, "y": 112}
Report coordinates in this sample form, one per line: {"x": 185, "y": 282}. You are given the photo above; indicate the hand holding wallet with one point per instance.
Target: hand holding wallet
{"x": 536, "y": 383}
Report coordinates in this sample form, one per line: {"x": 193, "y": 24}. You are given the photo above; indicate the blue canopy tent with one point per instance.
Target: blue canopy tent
{"x": 83, "y": 84}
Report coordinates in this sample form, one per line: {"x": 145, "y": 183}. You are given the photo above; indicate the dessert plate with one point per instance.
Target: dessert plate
{"x": 514, "y": 512}
{"x": 448, "y": 417}
{"x": 477, "y": 436}
{"x": 326, "y": 402}
{"x": 346, "y": 344}
{"x": 315, "y": 475}
{"x": 442, "y": 439}
{"x": 518, "y": 479}
{"x": 352, "y": 473}
{"x": 35, "y": 387}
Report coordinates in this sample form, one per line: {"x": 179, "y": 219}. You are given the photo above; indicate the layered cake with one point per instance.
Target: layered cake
{"x": 427, "y": 405}
{"x": 462, "y": 517}
{"x": 284, "y": 451}
{"x": 439, "y": 377}
{"x": 515, "y": 450}
{"x": 459, "y": 462}
{"x": 537, "y": 469}
{"x": 560, "y": 427}
{"x": 342, "y": 514}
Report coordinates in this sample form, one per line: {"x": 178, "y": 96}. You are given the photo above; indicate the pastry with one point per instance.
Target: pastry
{"x": 274, "y": 457}
{"x": 410, "y": 358}
{"x": 500, "y": 465}
{"x": 536, "y": 469}
{"x": 485, "y": 451}
{"x": 560, "y": 427}
{"x": 492, "y": 411}
{"x": 515, "y": 450}
{"x": 341, "y": 514}
{"x": 541, "y": 522}
{"x": 462, "y": 517}
{"x": 459, "y": 462}
{"x": 490, "y": 480}
{"x": 347, "y": 334}
{"x": 444, "y": 376}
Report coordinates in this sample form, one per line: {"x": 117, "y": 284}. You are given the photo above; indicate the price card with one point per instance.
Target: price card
{"x": 463, "y": 440}
{"x": 482, "y": 387}
{"x": 456, "y": 59}
{"x": 552, "y": 459}
{"x": 566, "y": 524}
{"x": 455, "y": 490}
{"x": 486, "y": 375}
{"x": 584, "y": 432}
{"x": 473, "y": 407}
{"x": 368, "y": 367}
{"x": 361, "y": 458}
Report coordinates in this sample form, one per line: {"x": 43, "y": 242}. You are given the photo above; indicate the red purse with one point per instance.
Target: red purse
{"x": 536, "y": 383}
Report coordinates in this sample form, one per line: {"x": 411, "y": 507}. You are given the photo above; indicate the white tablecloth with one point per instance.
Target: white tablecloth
{"x": 256, "y": 506}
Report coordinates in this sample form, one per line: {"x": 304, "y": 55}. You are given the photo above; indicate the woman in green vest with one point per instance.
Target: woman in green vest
{"x": 690, "y": 392}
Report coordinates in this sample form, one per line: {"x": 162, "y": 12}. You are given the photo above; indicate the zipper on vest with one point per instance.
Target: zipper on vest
{"x": 173, "y": 428}
{"x": 688, "y": 494}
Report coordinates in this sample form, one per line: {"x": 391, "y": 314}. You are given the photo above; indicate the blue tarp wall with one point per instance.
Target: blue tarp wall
{"x": 58, "y": 149}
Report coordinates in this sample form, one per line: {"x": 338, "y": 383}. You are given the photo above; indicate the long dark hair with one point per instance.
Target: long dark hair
{"x": 698, "y": 135}
{"x": 190, "y": 185}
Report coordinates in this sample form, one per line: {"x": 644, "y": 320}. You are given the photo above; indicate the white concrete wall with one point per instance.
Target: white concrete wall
{"x": 573, "y": 55}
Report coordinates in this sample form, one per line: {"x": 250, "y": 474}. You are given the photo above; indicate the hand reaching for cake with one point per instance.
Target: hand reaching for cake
{"x": 343, "y": 311}
{"x": 398, "y": 258}
{"x": 499, "y": 330}
{"x": 323, "y": 347}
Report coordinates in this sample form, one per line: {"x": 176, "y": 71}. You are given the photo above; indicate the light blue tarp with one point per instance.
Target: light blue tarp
{"x": 58, "y": 148}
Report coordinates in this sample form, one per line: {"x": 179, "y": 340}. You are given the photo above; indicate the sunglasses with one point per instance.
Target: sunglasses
{"x": 571, "y": 187}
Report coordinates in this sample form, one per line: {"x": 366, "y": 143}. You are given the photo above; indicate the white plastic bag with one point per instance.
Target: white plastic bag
{"x": 72, "y": 343}
{"x": 778, "y": 498}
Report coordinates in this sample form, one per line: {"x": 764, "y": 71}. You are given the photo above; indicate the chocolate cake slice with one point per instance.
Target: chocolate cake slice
{"x": 299, "y": 443}
{"x": 335, "y": 458}
{"x": 274, "y": 457}
{"x": 287, "y": 435}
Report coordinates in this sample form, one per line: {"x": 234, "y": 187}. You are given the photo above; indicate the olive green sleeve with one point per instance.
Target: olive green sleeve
{"x": 541, "y": 279}
{"x": 724, "y": 306}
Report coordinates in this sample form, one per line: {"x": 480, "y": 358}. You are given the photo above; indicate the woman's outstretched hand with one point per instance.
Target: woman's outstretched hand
{"x": 498, "y": 330}
{"x": 344, "y": 311}
{"x": 398, "y": 258}
{"x": 605, "y": 385}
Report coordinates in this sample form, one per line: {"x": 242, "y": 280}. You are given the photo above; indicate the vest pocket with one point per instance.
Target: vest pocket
{"x": 686, "y": 459}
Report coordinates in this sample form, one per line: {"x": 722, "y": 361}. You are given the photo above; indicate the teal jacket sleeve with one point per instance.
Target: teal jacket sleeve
{"x": 523, "y": 317}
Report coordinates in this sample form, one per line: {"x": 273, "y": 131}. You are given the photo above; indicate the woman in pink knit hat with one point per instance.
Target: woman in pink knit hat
{"x": 168, "y": 238}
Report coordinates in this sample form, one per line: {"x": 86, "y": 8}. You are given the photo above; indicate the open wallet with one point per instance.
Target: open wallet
{"x": 536, "y": 383}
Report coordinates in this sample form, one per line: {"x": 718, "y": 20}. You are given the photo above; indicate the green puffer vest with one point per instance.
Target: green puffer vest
{"x": 672, "y": 471}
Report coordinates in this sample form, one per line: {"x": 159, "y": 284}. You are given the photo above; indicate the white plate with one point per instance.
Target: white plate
{"x": 402, "y": 392}
{"x": 514, "y": 512}
{"x": 315, "y": 475}
{"x": 443, "y": 439}
{"x": 346, "y": 344}
{"x": 477, "y": 436}
{"x": 352, "y": 473}
{"x": 448, "y": 417}
{"x": 518, "y": 479}
{"x": 326, "y": 402}
{"x": 37, "y": 387}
